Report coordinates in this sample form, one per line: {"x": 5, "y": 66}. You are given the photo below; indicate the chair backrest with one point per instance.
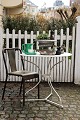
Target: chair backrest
{"x": 12, "y": 62}
{"x": 10, "y": 52}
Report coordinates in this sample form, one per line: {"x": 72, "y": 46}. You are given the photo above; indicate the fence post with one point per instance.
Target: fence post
{"x": 1, "y": 46}
{"x": 77, "y": 53}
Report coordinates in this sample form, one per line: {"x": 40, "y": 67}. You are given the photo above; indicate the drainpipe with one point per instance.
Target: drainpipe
{"x": 1, "y": 13}
{"x": 24, "y": 6}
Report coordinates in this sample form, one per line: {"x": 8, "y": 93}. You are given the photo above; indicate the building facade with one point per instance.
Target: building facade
{"x": 74, "y": 1}
{"x": 76, "y": 4}
{"x": 58, "y": 3}
{"x": 16, "y": 7}
{"x": 30, "y": 8}
{"x": 10, "y": 7}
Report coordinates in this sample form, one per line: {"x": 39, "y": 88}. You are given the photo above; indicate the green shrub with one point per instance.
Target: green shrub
{"x": 20, "y": 23}
{"x": 42, "y": 36}
{"x": 62, "y": 24}
{"x": 37, "y": 24}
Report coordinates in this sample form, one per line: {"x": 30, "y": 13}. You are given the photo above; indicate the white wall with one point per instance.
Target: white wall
{"x": 1, "y": 13}
{"x": 15, "y": 11}
{"x": 77, "y": 53}
{"x": 11, "y": 3}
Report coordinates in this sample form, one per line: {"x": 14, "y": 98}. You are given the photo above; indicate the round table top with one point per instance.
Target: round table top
{"x": 65, "y": 54}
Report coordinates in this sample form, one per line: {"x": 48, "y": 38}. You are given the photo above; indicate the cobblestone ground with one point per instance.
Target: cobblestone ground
{"x": 11, "y": 108}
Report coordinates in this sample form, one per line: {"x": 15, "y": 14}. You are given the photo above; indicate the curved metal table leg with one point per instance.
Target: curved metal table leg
{"x": 51, "y": 93}
{"x": 48, "y": 76}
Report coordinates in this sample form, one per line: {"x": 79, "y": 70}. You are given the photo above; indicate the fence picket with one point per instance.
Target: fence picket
{"x": 32, "y": 39}
{"x": 7, "y": 46}
{"x": 25, "y": 37}
{"x": 37, "y": 46}
{"x": 60, "y": 59}
{"x": 61, "y": 72}
{"x": 1, "y": 58}
{"x": 55, "y": 43}
{"x": 13, "y": 38}
{"x": 13, "y": 46}
{"x": 67, "y": 49}
{"x": 73, "y": 53}
{"x": 19, "y": 44}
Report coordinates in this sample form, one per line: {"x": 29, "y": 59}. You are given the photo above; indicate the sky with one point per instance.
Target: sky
{"x": 49, "y": 3}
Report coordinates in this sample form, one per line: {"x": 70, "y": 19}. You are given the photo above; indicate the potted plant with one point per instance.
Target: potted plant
{"x": 43, "y": 36}
{"x": 44, "y": 40}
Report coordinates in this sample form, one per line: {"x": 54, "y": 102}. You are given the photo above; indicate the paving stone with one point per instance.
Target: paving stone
{"x": 7, "y": 116}
{"x": 30, "y": 119}
{"x": 12, "y": 109}
{"x": 35, "y": 108}
{"x": 24, "y": 112}
{"x": 38, "y": 119}
{"x": 43, "y": 108}
{"x": 16, "y": 112}
{"x": 2, "y": 119}
{"x": 21, "y": 119}
{"x": 22, "y": 115}
{"x": 2, "y": 112}
{"x": 30, "y": 115}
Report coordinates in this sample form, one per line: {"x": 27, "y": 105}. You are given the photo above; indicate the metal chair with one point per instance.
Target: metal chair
{"x": 9, "y": 54}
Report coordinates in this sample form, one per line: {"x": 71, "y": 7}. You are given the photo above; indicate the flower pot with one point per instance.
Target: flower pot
{"x": 45, "y": 43}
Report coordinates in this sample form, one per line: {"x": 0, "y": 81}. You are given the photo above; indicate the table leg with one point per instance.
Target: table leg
{"x": 53, "y": 89}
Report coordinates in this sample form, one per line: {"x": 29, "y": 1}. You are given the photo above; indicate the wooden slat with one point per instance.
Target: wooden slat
{"x": 19, "y": 44}
{"x": 73, "y": 54}
{"x": 13, "y": 38}
{"x": 60, "y": 59}
{"x": 55, "y": 43}
{"x": 13, "y": 46}
{"x": 67, "y": 49}
{"x": 25, "y": 37}
{"x": 7, "y": 46}
{"x": 31, "y": 39}
{"x": 25, "y": 41}
{"x": 61, "y": 72}
{"x": 1, "y": 58}
{"x": 37, "y": 43}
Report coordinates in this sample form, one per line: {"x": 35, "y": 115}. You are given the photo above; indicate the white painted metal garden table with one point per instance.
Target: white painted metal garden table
{"x": 47, "y": 76}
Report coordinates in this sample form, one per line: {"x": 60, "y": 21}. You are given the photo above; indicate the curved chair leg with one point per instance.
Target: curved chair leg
{"x": 22, "y": 83}
{"x": 21, "y": 87}
{"x": 23, "y": 91}
{"x": 4, "y": 87}
{"x": 38, "y": 89}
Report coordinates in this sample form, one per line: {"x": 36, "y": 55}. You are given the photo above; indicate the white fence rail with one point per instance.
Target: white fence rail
{"x": 62, "y": 72}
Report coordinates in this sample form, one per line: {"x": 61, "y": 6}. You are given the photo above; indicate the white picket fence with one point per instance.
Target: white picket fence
{"x": 62, "y": 72}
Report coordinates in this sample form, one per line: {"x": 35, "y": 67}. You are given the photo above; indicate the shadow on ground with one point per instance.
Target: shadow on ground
{"x": 11, "y": 107}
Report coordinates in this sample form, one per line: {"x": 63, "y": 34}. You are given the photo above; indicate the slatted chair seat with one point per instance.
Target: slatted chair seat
{"x": 23, "y": 73}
